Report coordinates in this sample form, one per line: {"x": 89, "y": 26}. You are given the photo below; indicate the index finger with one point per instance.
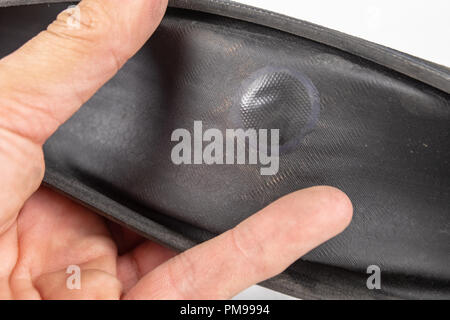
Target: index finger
{"x": 257, "y": 249}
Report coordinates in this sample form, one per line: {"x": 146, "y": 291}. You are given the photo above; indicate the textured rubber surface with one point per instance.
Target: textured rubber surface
{"x": 344, "y": 121}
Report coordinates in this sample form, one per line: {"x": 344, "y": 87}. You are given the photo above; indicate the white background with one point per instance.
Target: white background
{"x": 418, "y": 27}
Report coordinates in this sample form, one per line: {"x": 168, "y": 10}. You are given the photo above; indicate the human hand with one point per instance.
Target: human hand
{"x": 41, "y": 233}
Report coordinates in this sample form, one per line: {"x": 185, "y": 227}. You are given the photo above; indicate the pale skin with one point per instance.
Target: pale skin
{"x": 41, "y": 233}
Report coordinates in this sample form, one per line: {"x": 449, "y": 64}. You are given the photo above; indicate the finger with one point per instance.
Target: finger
{"x": 259, "y": 248}
{"x": 94, "y": 284}
{"x": 135, "y": 264}
{"x": 138, "y": 256}
{"x": 43, "y": 83}
{"x": 53, "y": 233}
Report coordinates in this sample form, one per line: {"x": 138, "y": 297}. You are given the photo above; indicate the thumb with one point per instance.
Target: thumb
{"x": 43, "y": 83}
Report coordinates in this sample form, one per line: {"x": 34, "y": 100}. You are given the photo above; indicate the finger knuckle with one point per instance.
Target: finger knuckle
{"x": 182, "y": 275}
{"x": 28, "y": 120}
{"x": 252, "y": 252}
